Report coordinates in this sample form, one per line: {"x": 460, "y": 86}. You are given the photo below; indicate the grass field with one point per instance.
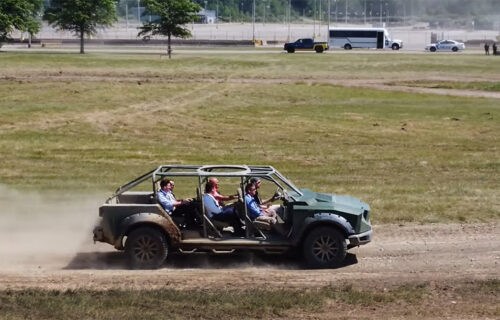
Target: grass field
{"x": 412, "y": 301}
{"x": 93, "y": 122}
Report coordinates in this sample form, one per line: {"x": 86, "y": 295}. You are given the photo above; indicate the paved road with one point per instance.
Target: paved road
{"x": 209, "y": 50}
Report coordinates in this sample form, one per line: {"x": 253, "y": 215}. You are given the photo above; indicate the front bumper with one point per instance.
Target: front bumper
{"x": 360, "y": 239}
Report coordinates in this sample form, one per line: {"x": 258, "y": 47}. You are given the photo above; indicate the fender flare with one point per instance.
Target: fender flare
{"x": 164, "y": 223}
{"x": 324, "y": 219}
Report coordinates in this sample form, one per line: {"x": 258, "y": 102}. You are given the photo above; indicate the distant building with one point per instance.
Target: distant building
{"x": 206, "y": 16}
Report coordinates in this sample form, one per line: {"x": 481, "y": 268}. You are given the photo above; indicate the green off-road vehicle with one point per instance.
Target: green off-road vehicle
{"x": 322, "y": 227}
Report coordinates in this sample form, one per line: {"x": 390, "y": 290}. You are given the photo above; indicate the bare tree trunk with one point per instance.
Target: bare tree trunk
{"x": 169, "y": 48}
{"x": 82, "y": 51}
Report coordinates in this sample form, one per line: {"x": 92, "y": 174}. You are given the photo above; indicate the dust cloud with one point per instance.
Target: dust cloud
{"x": 44, "y": 230}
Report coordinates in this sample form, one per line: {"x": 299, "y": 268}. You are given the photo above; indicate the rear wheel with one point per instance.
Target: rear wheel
{"x": 146, "y": 248}
{"x": 347, "y": 46}
{"x": 324, "y": 247}
{"x": 319, "y": 49}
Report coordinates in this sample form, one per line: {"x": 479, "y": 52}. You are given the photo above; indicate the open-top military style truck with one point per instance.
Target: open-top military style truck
{"x": 322, "y": 227}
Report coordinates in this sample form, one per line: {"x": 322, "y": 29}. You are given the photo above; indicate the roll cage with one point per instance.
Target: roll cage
{"x": 206, "y": 171}
{"x": 244, "y": 172}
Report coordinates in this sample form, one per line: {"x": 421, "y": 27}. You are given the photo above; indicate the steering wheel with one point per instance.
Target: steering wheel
{"x": 278, "y": 195}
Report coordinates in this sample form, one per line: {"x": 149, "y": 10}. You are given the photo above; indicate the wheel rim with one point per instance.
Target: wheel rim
{"x": 145, "y": 249}
{"x": 325, "y": 249}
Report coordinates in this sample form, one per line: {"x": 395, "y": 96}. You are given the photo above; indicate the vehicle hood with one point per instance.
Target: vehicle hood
{"x": 323, "y": 201}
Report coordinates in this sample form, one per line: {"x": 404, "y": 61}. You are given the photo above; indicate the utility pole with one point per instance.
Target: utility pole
{"x": 253, "y": 22}
{"x": 126, "y": 13}
{"x": 329, "y": 14}
{"x": 139, "y": 11}
{"x": 314, "y": 19}
{"x": 365, "y": 13}
{"x": 289, "y": 17}
{"x": 346, "y": 1}
{"x": 380, "y": 12}
{"x": 336, "y": 11}
{"x": 265, "y": 5}
{"x": 320, "y": 13}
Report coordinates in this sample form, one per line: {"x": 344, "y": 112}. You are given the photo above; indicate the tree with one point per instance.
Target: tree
{"x": 83, "y": 17}
{"x": 172, "y": 15}
{"x": 18, "y": 15}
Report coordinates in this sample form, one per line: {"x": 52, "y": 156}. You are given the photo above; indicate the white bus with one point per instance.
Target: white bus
{"x": 349, "y": 38}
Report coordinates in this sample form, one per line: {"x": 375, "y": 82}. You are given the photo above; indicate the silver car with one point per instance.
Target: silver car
{"x": 445, "y": 45}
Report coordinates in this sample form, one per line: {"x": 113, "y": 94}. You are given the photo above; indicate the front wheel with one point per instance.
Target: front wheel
{"x": 454, "y": 49}
{"x": 324, "y": 247}
{"x": 290, "y": 50}
{"x": 433, "y": 49}
{"x": 319, "y": 49}
{"x": 395, "y": 46}
{"x": 146, "y": 248}
{"x": 347, "y": 46}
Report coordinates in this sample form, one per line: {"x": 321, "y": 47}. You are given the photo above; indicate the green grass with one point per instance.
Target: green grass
{"x": 471, "y": 299}
{"x": 94, "y": 122}
{"x": 259, "y": 65}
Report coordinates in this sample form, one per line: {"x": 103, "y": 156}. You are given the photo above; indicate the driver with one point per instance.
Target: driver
{"x": 265, "y": 204}
{"x": 254, "y": 209}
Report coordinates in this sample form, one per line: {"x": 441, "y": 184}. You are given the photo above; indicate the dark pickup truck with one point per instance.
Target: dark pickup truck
{"x": 305, "y": 44}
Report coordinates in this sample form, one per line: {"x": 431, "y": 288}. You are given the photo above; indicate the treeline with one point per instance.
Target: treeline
{"x": 357, "y": 10}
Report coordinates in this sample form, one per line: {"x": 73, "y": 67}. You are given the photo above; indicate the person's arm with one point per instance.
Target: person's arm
{"x": 272, "y": 199}
{"x": 221, "y": 198}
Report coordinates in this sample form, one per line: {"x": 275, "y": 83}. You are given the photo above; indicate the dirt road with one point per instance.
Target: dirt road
{"x": 398, "y": 254}
{"x": 51, "y": 247}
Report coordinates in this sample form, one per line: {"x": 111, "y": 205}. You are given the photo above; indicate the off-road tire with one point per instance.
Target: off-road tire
{"x": 318, "y": 49}
{"x": 324, "y": 247}
{"x": 146, "y": 248}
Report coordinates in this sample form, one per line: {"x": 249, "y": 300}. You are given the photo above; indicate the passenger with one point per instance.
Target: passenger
{"x": 218, "y": 212}
{"x": 212, "y": 187}
{"x": 178, "y": 208}
{"x": 255, "y": 212}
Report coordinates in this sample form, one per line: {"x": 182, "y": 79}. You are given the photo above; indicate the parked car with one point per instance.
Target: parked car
{"x": 320, "y": 226}
{"x": 305, "y": 44}
{"x": 445, "y": 45}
